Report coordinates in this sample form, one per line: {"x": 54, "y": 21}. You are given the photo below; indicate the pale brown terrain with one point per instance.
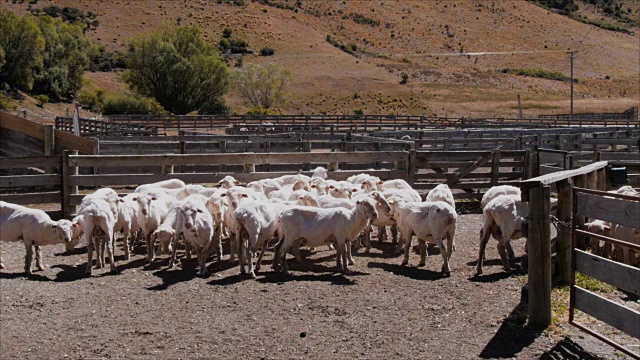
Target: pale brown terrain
{"x": 326, "y": 79}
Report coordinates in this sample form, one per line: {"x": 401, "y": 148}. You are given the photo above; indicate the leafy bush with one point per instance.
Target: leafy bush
{"x": 362, "y": 19}
{"x": 217, "y": 106}
{"x": 226, "y": 33}
{"x": 23, "y": 46}
{"x": 539, "y": 73}
{"x": 267, "y": 51}
{"x": 405, "y": 78}
{"x": 131, "y": 104}
{"x": 92, "y": 100}
{"x": 42, "y": 99}
{"x": 175, "y": 66}
{"x": 5, "y": 102}
{"x": 263, "y": 86}
{"x": 359, "y": 111}
{"x": 70, "y": 15}
{"x": 106, "y": 61}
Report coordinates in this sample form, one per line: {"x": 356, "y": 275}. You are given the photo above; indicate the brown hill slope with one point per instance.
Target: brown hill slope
{"x": 401, "y": 36}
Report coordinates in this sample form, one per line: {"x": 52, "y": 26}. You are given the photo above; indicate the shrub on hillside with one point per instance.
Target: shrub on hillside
{"x": 267, "y": 51}
{"x": 42, "y": 99}
{"x": 131, "y": 104}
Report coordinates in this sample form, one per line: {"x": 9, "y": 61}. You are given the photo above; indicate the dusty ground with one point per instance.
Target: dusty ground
{"x": 383, "y": 311}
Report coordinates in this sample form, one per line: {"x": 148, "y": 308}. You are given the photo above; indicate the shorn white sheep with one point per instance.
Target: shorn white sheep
{"x": 35, "y": 228}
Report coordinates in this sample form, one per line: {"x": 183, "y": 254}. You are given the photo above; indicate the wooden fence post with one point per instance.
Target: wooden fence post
{"x": 412, "y": 168}
{"x": 581, "y": 182}
{"x": 66, "y": 207}
{"x": 222, "y": 145}
{"x": 539, "y": 257}
{"x": 182, "y": 149}
{"x": 306, "y": 147}
{"x": 563, "y": 247}
{"x": 601, "y": 184}
{"x": 267, "y": 149}
{"x": 495, "y": 168}
{"x": 96, "y": 151}
{"x": 49, "y": 145}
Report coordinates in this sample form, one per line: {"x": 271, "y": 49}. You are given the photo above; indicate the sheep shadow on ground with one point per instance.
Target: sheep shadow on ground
{"x": 411, "y": 272}
{"x": 32, "y": 277}
{"x": 490, "y": 278}
{"x": 173, "y": 276}
{"x": 512, "y": 336}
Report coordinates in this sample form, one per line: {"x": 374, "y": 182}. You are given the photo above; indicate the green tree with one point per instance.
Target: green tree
{"x": 23, "y": 47}
{"x": 67, "y": 55}
{"x": 262, "y": 86}
{"x": 175, "y": 66}
{"x": 1, "y": 57}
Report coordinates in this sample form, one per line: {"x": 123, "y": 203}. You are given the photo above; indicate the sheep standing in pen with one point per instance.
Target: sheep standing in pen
{"x": 315, "y": 227}
{"x": 35, "y": 228}
{"x": 430, "y": 222}
{"x": 503, "y": 218}
{"x": 197, "y": 227}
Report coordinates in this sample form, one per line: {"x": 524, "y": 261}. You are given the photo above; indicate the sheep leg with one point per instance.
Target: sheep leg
{"x": 202, "y": 260}
{"x": 485, "y": 233}
{"x": 151, "y": 248}
{"x": 174, "y": 249}
{"x": 262, "y": 250}
{"x": 110, "y": 239}
{"x": 382, "y": 234}
{"x": 241, "y": 254}
{"x": 276, "y": 255}
{"x": 233, "y": 247}
{"x": 28, "y": 260}
{"x": 367, "y": 238}
{"x": 90, "y": 244}
{"x": 349, "y": 257}
{"x": 423, "y": 252}
{"x": 1, "y": 264}
{"x": 445, "y": 258}
{"x": 339, "y": 256}
{"x": 510, "y": 254}
{"x": 407, "y": 249}
{"x": 282, "y": 255}
{"x": 607, "y": 250}
{"x": 394, "y": 234}
{"x": 188, "y": 249}
{"x": 503, "y": 256}
{"x": 451, "y": 243}
{"x": 100, "y": 250}
{"x": 217, "y": 241}
{"x": 125, "y": 239}
{"x": 345, "y": 265}
{"x": 39, "y": 264}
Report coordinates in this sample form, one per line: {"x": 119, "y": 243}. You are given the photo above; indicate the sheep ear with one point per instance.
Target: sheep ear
{"x": 354, "y": 190}
{"x": 54, "y": 226}
{"x": 237, "y": 182}
{"x": 154, "y": 198}
{"x": 74, "y": 225}
{"x": 357, "y": 202}
{"x": 245, "y": 195}
{"x": 313, "y": 186}
{"x": 134, "y": 199}
{"x": 121, "y": 200}
{"x": 223, "y": 195}
{"x": 607, "y": 227}
{"x": 331, "y": 187}
{"x": 200, "y": 211}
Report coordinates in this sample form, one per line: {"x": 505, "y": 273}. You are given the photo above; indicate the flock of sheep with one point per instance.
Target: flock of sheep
{"x": 290, "y": 211}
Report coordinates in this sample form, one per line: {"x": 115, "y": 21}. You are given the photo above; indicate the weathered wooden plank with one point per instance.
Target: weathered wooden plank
{"x": 29, "y": 180}
{"x": 617, "y": 211}
{"x": 545, "y": 170}
{"x": 209, "y": 178}
{"x": 236, "y": 159}
{"x": 614, "y": 314}
{"x": 539, "y": 256}
{"x": 444, "y": 176}
{"x": 562, "y": 175}
{"x": 29, "y": 161}
{"x": 33, "y": 198}
{"x": 620, "y": 275}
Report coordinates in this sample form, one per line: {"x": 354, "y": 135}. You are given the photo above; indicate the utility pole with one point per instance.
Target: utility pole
{"x": 571, "y": 56}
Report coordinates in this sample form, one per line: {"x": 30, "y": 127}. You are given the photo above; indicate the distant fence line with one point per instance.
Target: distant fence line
{"x": 630, "y": 115}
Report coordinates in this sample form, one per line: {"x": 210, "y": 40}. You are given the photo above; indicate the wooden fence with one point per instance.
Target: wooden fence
{"x": 32, "y": 181}
{"x": 93, "y": 127}
{"x": 630, "y": 115}
{"x": 471, "y": 171}
{"x": 616, "y": 209}
{"x": 365, "y": 122}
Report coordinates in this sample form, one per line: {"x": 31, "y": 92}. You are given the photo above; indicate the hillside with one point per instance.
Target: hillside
{"x": 392, "y": 37}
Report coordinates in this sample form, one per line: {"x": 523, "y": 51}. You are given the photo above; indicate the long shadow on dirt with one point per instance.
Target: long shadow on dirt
{"x": 490, "y": 278}
{"x": 334, "y": 278}
{"x": 408, "y": 271}
{"x": 32, "y": 277}
{"x": 489, "y": 262}
{"x": 173, "y": 276}
{"x": 567, "y": 349}
{"x": 512, "y": 336}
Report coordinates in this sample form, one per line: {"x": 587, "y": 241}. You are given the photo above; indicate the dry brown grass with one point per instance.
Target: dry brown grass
{"x": 326, "y": 78}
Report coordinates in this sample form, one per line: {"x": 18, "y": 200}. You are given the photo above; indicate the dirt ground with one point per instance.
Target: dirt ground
{"x": 382, "y": 311}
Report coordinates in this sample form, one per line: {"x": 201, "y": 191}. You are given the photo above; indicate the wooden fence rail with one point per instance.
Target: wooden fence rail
{"x": 32, "y": 180}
